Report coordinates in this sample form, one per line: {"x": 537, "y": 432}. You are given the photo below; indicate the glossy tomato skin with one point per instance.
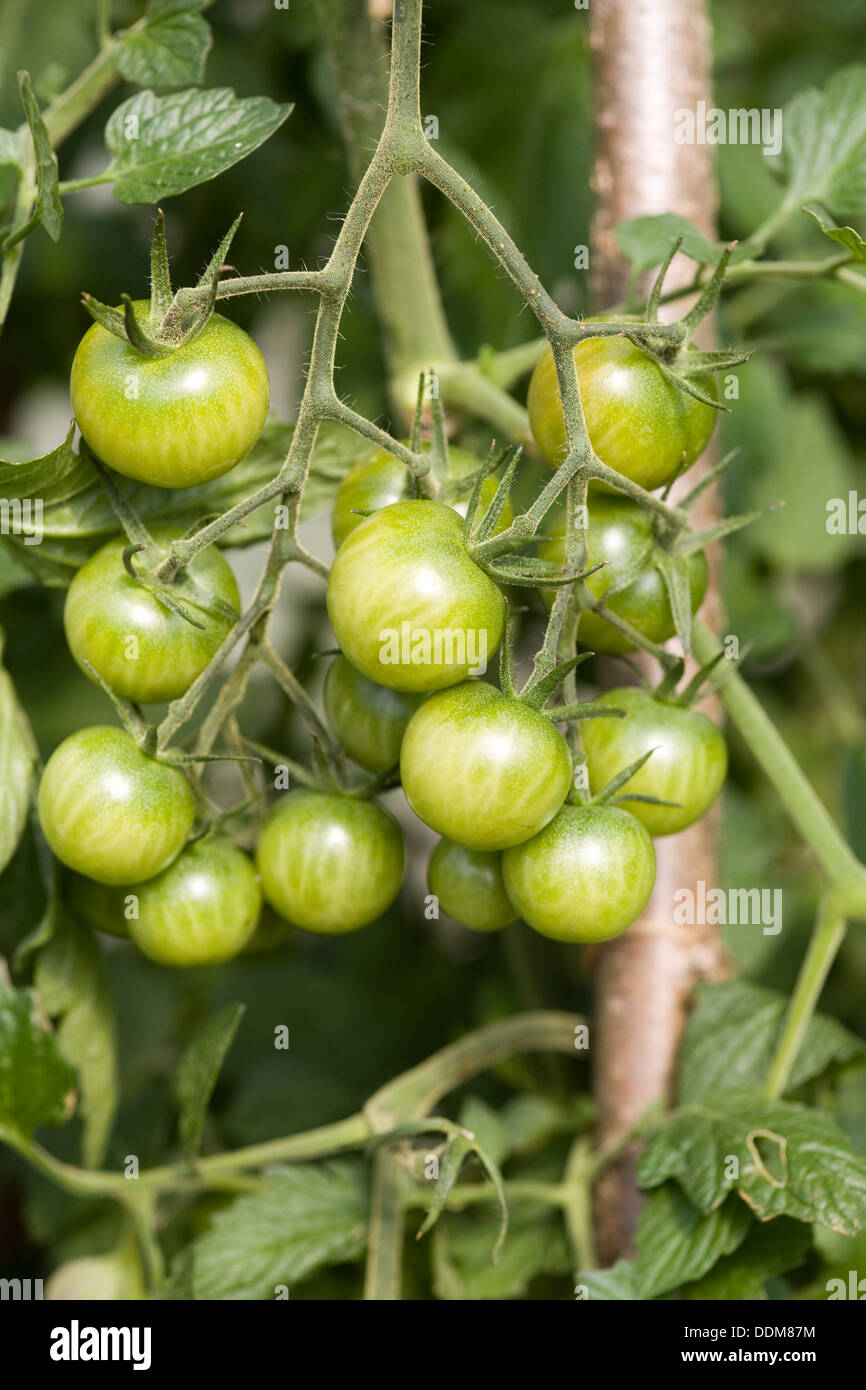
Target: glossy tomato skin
{"x": 586, "y": 877}
{"x": 329, "y": 863}
{"x": 369, "y": 720}
{"x": 469, "y": 886}
{"x": 482, "y": 768}
{"x": 619, "y": 534}
{"x": 378, "y": 480}
{"x": 201, "y": 910}
{"x": 172, "y": 421}
{"x": 142, "y": 649}
{"x": 688, "y": 765}
{"x": 639, "y": 423}
{"x": 409, "y": 606}
{"x": 109, "y": 811}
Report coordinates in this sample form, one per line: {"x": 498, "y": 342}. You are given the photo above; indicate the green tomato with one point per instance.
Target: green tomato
{"x": 201, "y": 910}
{"x": 469, "y": 886}
{"x": 113, "y": 1278}
{"x": 139, "y": 647}
{"x": 369, "y": 720}
{"x": 172, "y": 421}
{"x": 619, "y": 533}
{"x": 109, "y": 811}
{"x": 482, "y": 768}
{"x": 329, "y": 863}
{"x": 409, "y": 606}
{"x": 378, "y": 480}
{"x": 639, "y": 423}
{"x": 688, "y": 765}
{"x": 586, "y": 877}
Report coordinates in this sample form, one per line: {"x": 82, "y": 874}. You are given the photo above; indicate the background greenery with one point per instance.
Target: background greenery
{"x": 510, "y": 82}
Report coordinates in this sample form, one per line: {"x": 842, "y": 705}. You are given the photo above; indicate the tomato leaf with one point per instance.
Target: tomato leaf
{"x": 462, "y": 1271}
{"x": 49, "y": 203}
{"x": 676, "y": 1244}
{"x": 843, "y": 236}
{"x": 161, "y": 146}
{"x": 171, "y": 49}
{"x": 614, "y": 1285}
{"x": 70, "y": 980}
{"x": 36, "y": 1083}
{"x": 304, "y": 1216}
{"x": 198, "y": 1070}
{"x": 18, "y": 758}
{"x": 823, "y": 154}
{"x": 646, "y": 241}
{"x": 732, "y": 1034}
{"x": 77, "y": 516}
{"x": 767, "y": 1252}
{"x": 782, "y": 1158}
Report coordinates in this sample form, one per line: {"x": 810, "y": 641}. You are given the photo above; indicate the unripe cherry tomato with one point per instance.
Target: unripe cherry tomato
{"x": 469, "y": 886}
{"x": 409, "y": 606}
{"x": 111, "y": 812}
{"x": 172, "y": 421}
{"x": 202, "y": 909}
{"x": 378, "y": 479}
{"x": 586, "y": 877}
{"x": 639, "y": 423}
{"x": 619, "y": 533}
{"x": 369, "y": 720}
{"x": 141, "y": 648}
{"x": 483, "y": 768}
{"x": 329, "y": 863}
{"x": 688, "y": 765}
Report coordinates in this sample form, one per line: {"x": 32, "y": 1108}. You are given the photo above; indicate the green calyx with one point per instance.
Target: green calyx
{"x": 174, "y": 316}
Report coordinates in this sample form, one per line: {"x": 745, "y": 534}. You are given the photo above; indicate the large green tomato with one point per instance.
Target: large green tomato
{"x": 140, "y": 647}
{"x": 688, "y": 765}
{"x": 639, "y": 423}
{"x": 330, "y": 863}
{"x": 409, "y": 606}
{"x": 620, "y": 534}
{"x": 201, "y": 910}
{"x": 586, "y": 877}
{"x": 369, "y": 720}
{"x": 172, "y": 421}
{"x": 482, "y": 768}
{"x": 469, "y": 886}
{"x": 109, "y": 811}
{"x": 378, "y": 479}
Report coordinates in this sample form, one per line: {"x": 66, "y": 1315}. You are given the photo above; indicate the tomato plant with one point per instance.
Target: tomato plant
{"x": 111, "y": 812}
{"x": 141, "y": 648}
{"x": 176, "y": 420}
{"x": 329, "y": 864}
{"x": 409, "y": 606}
{"x": 639, "y": 423}
{"x": 586, "y": 876}
{"x": 686, "y": 767}
{"x": 229, "y": 783}
{"x": 483, "y": 769}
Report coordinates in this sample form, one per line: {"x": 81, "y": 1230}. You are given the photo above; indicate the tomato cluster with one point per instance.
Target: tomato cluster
{"x": 417, "y": 617}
